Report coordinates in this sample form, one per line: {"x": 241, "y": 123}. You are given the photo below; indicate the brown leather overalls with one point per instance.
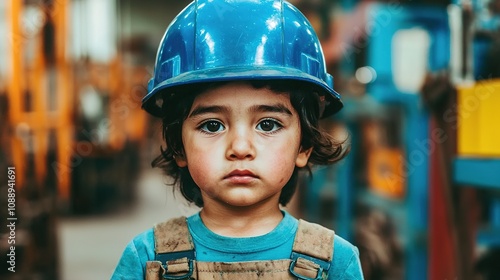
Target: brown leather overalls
{"x": 310, "y": 258}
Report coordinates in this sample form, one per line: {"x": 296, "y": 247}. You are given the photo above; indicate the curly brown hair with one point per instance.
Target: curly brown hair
{"x": 177, "y": 104}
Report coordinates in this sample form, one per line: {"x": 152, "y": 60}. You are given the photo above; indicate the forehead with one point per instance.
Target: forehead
{"x": 237, "y": 94}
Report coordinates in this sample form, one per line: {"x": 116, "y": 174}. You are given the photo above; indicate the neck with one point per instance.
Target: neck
{"x": 241, "y": 221}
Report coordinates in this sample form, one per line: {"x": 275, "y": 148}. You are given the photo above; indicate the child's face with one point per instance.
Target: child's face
{"x": 241, "y": 145}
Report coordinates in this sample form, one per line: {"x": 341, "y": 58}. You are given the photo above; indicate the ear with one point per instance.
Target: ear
{"x": 181, "y": 161}
{"x": 303, "y": 157}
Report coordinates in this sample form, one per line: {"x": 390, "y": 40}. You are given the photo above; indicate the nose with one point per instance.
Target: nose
{"x": 240, "y": 145}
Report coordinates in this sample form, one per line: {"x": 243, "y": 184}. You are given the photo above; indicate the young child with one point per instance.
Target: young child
{"x": 240, "y": 86}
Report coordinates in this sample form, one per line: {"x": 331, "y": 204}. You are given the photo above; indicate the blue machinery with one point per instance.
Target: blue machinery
{"x": 392, "y": 25}
{"x": 478, "y": 162}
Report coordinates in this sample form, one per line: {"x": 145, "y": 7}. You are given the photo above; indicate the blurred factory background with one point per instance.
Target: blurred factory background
{"x": 419, "y": 193}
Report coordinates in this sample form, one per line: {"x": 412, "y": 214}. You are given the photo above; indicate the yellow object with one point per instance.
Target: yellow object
{"x": 478, "y": 119}
{"x": 386, "y": 173}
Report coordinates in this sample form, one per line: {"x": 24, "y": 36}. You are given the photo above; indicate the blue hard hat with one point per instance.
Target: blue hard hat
{"x": 228, "y": 40}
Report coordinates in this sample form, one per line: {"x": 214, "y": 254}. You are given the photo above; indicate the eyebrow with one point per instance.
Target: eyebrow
{"x": 200, "y": 110}
{"x": 276, "y": 108}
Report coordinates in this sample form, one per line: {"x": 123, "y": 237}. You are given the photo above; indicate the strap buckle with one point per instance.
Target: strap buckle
{"x": 177, "y": 277}
{"x": 322, "y": 266}
{"x": 164, "y": 258}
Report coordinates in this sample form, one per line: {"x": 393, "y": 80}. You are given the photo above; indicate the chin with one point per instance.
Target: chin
{"x": 240, "y": 203}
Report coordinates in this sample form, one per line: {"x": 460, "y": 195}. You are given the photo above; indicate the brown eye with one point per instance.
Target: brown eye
{"x": 212, "y": 126}
{"x": 269, "y": 125}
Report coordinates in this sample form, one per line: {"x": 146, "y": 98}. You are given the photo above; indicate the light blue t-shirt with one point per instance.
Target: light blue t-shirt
{"x": 212, "y": 247}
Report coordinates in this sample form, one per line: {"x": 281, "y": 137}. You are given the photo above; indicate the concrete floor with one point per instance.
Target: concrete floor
{"x": 91, "y": 247}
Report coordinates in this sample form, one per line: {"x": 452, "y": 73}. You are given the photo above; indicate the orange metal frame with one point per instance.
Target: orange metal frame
{"x": 36, "y": 124}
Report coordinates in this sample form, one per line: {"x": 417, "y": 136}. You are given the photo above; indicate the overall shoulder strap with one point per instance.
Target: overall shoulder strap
{"x": 174, "y": 248}
{"x": 312, "y": 251}
{"x": 172, "y": 236}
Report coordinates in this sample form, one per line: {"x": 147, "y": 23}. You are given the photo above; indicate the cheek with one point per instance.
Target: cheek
{"x": 197, "y": 161}
{"x": 282, "y": 163}
{"x": 198, "y": 172}
{"x": 201, "y": 162}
